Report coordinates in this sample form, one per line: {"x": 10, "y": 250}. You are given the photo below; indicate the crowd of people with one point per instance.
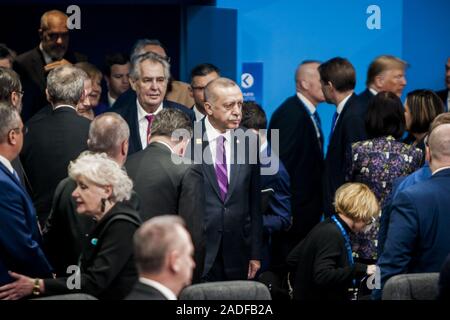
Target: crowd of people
{"x": 139, "y": 190}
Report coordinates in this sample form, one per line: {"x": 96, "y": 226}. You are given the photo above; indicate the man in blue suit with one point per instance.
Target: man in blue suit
{"x": 149, "y": 77}
{"x": 20, "y": 238}
{"x": 418, "y": 239}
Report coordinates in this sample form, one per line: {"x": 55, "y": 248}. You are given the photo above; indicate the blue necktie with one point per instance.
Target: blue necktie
{"x": 333, "y": 124}
{"x": 16, "y": 175}
{"x": 319, "y": 126}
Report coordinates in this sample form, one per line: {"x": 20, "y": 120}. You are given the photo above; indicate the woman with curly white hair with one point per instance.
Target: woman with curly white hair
{"x": 107, "y": 269}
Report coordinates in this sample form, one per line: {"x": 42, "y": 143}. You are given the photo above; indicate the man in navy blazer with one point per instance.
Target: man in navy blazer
{"x": 418, "y": 239}
{"x": 149, "y": 77}
{"x": 232, "y": 222}
{"x": 338, "y": 79}
{"x": 20, "y": 238}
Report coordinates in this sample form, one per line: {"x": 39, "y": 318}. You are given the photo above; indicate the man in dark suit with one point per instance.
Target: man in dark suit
{"x": 65, "y": 230}
{"x": 301, "y": 150}
{"x": 33, "y": 65}
{"x": 11, "y": 92}
{"x": 385, "y": 73}
{"x": 163, "y": 252}
{"x": 149, "y": 77}
{"x": 54, "y": 140}
{"x": 445, "y": 94}
{"x": 20, "y": 238}
{"x": 163, "y": 184}
{"x": 338, "y": 79}
{"x": 201, "y": 75}
{"x": 418, "y": 239}
{"x": 230, "y": 166}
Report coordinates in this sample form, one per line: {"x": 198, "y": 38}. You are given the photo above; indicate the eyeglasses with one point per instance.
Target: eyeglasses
{"x": 24, "y": 130}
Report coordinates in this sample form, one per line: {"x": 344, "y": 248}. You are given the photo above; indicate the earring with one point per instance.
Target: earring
{"x": 103, "y": 203}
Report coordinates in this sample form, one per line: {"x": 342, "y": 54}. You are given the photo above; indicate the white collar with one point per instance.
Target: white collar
{"x": 441, "y": 169}
{"x": 166, "y": 292}
{"x": 6, "y": 163}
{"x": 213, "y": 133}
{"x": 111, "y": 100}
{"x": 341, "y": 105}
{"x": 64, "y": 106}
{"x": 142, "y": 113}
{"x": 198, "y": 115}
{"x": 374, "y": 92}
{"x": 308, "y": 104}
{"x": 47, "y": 57}
{"x": 165, "y": 144}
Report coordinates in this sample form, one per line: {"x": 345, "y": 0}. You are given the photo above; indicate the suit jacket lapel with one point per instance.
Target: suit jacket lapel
{"x": 208, "y": 163}
{"x": 134, "y": 127}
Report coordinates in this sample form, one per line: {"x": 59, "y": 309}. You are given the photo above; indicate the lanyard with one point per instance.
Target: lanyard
{"x": 347, "y": 240}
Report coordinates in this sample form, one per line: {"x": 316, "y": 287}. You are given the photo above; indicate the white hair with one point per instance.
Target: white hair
{"x": 101, "y": 170}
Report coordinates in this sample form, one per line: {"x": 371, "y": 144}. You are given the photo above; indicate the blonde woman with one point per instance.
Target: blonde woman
{"x": 323, "y": 261}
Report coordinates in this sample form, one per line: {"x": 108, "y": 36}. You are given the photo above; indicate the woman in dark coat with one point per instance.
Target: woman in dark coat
{"x": 107, "y": 269}
{"x": 323, "y": 261}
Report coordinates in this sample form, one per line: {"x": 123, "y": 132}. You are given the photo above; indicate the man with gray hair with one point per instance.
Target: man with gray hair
{"x": 166, "y": 182}
{"x": 55, "y": 140}
{"x": 163, "y": 252}
{"x": 20, "y": 238}
{"x": 65, "y": 230}
{"x": 149, "y": 77}
{"x": 418, "y": 240}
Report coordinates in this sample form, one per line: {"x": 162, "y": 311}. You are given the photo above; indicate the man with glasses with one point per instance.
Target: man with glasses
{"x": 201, "y": 75}
{"x": 20, "y": 238}
{"x": 52, "y": 52}
{"x": 149, "y": 77}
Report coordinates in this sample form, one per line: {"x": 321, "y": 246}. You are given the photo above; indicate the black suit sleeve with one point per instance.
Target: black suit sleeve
{"x": 112, "y": 256}
{"x": 256, "y": 217}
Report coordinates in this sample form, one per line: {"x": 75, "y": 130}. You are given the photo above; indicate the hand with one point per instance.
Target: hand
{"x": 20, "y": 288}
{"x": 371, "y": 269}
{"x": 253, "y": 267}
{"x": 55, "y": 64}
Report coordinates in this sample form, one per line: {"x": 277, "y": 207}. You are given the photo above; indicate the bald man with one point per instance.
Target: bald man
{"x": 418, "y": 239}
{"x": 34, "y": 65}
{"x": 301, "y": 149}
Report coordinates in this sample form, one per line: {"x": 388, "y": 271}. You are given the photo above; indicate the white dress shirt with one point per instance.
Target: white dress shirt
{"x": 198, "y": 115}
{"x": 7, "y": 164}
{"x": 213, "y": 134}
{"x": 311, "y": 108}
{"x": 111, "y": 100}
{"x": 340, "y": 107}
{"x": 143, "y": 122}
{"x": 166, "y": 292}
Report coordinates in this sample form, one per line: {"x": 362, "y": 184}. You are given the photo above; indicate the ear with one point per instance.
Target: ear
{"x": 14, "y": 99}
{"x": 174, "y": 261}
{"x": 49, "y": 99}
{"x": 12, "y": 137}
{"x": 108, "y": 191}
{"x": 379, "y": 81}
{"x": 124, "y": 147}
{"x": 428, "y": 154}
{"x": 208, "y": 108}
{"x": 191, "y": 92}
{"x": 132, "y": 83}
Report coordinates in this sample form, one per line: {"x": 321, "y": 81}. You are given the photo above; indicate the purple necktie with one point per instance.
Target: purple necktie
{"x": 149, "y": 118}
{"x": 221, "y": 167}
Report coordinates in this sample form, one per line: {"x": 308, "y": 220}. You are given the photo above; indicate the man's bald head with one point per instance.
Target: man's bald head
{"x": 439, "y": 144}
{"x": 52, "y": 17}
{"x": 54, "y": 34}
{"x": 307, "y": 80}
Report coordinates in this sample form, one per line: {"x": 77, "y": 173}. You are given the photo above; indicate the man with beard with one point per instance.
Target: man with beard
{"x": 52, "y": 52}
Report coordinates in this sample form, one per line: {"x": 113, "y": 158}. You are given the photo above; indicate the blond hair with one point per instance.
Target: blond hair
{"x": 356, "y": 201}
{"x": 381, "y": 64}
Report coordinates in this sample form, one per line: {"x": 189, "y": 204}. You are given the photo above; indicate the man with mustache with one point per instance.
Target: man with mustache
{"x": 51, "y": 52}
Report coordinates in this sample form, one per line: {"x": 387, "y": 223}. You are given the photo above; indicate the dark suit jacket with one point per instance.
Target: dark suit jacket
{"x": 30, "y": 66}
{"x": 365, "y": 97}
{"x": 349, "y": 128}
{"x": 443, "y": 94}
{"x": 142, "y": 291}
{"x": 323, "y": 271}
{"x": 108, "y": 269}
{"x": 418, "y": 239}
{"x": 168, "y": 188}
{"x": 126, "y": 106}
{"x": 236, "y": 223}
{"x": 20, "y": 240}
{"x": 301, "y": 154}
{"x": 50, "y": 144}
{"x": 65, "y": 230}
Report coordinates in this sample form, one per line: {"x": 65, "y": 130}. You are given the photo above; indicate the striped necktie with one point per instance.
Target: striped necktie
{"x": 221, "y": 167}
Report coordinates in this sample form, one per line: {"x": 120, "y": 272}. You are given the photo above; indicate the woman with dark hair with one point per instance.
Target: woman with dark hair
{"x": 377, "y": 162}
{"x": 421, "y": 107}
